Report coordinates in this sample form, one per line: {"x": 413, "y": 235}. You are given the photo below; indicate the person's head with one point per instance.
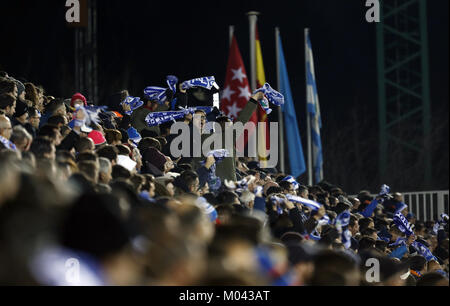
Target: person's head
{"x": 90, "y": 169}
{"x": 420, "y": 229}
{"x": 353, "y": 225}
{"x": 433, "y": 279}
{"x": 21, "y": 138}
{"x": 109, "y": 152}
{"x": 34, "y": 117}
{"x": 199, "y": 120}
{"x": 43, "y": 148}
{"x": 85, "y": 145}
{"x": 418, "y": 263}
{"x": 149, "y": 185}
{"x": 105, "y": 171}
{"x": 147, "y": 143}
{"x": 137, "y": 181}
{"x": 113, "y": 137}
{"x": 191, "y": 180}
{"x": 228, "y": 198}
{"x": 8, "y": 104}
{"x": 123, "y": 150}
{"x": 370, "y": 232}
{"x": 287, "y": 187}
{"x": 119, "y": 172}
{"x": 57, "y": 120}
{"x": 56, "y": 107}
{"x": 8, "y": 86}
{"x": 332, "y": 268}
{"x": 366, "y": 223}
{"x": 51, "y": 132}
{"x": 21, "y": 112}
{"x": 395, "y": 232}
{"x": 366, "y": 243}
{"x": 5, "y": 127}
{"x": 78, "y": 100}
{"x": 303, "y": 192}
{"x": 87, "y": 157}
{"x": 31, "y": 93}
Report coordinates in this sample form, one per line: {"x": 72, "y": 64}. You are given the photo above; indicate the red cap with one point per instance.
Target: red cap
{"x": 78, "y": 96}
{"x": 97, "y": 137}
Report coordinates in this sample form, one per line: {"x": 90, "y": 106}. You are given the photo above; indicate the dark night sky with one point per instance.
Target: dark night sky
{"x": 143, "y": 41}
{"x": 140, "y": 42}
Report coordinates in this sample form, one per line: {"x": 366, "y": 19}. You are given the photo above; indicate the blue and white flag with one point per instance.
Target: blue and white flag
{"x": 293, "y": 140}
{"x": 314, "y": 112}
{"x": 156, "y": 119}
{"x": 206, "y": 82}
{"x": 308, "y": 203}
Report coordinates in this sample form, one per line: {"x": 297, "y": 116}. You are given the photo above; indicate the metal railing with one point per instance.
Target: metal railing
{"x": 429, "y": 205}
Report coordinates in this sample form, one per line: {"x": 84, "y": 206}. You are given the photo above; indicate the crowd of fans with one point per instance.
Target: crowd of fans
{"x": 104, "y": 202}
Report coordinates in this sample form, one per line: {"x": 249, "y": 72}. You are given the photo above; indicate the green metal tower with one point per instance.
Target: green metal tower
{"x": 404, "y": 92}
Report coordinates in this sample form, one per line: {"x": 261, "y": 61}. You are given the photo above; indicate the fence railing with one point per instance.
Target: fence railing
{"x": 427, "y": 206}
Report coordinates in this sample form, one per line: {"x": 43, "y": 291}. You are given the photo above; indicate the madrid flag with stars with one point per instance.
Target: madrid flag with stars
{"x": 236, "y": 91}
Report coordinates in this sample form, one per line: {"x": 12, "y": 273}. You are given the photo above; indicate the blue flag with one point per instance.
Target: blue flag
{"x": 293, "y": 139}
{"x": 314, "y": 112}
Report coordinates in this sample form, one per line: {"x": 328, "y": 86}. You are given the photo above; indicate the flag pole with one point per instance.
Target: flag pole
{"x": 253, "y": 19}
{"x": 310, "y": 160}
{"x": 231, "y": 30}
{"x": 280, "y": 111}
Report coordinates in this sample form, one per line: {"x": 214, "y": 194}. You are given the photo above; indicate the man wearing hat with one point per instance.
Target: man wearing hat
{"x": 21, "y": 115}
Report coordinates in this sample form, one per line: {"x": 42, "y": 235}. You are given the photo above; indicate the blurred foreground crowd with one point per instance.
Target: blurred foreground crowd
{"x": 99, "y": 200}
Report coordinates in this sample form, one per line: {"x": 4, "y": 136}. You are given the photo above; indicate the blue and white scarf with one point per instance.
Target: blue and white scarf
{"x": 308, "y": 203}
{"x": 208, "y": 209}
{"x": 134, "y": 103}
{"x": 8, "y": 144}
{"x": 159, "y": 94}
{"x": 91, "y": 115}
{"x": 156, "y": 94}
{"x": 206, "y": 82}
{"x": 342, "y": 222}
{"x": 400, "y": 241}
{"x": 292, "y": 180}
{"x": 423, "y": 251}
{"x": 440, "y": 224}
{"x": 385, "y": 190}
{"x": 403, "y": 225}
{"x": 272, "y": 96}
{"x": 172, "y": 82}
{"x": 155, "y": 119}
{"x": 214, "y": 181}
